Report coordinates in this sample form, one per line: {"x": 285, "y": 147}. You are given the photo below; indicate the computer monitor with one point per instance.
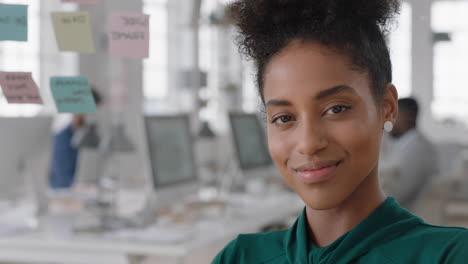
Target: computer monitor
{"x": 171, "y": 157}
{"x": 254, "y": 165}
{"x": 249, "y": 141}
{"x": 24, "y": 148}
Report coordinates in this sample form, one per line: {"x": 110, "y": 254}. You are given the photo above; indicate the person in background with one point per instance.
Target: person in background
{"x": 64, "y": 154}
{"x": 411, "y": 160}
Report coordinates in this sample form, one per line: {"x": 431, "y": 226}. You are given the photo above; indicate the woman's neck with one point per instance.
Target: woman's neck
{"x": 328, "y": 225}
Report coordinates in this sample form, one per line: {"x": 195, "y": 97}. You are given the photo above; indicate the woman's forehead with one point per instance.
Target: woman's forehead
{"x": 310, "y": 68}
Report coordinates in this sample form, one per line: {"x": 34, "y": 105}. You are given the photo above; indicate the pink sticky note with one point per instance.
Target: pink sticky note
{"x": 20, "y": 88}
{"x": 87, "y": 2}
{"x": 129, "y": 35}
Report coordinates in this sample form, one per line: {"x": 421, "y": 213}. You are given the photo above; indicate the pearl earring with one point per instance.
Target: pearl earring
{"x": 388, "y": 126}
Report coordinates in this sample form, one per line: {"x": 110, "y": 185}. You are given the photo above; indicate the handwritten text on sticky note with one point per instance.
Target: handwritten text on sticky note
{"x": 129, "y": 35}
{"x": 86, "y": 2}
{"x": 72, "y": 95}
{"x": 20, "y": 88}
{"x": 73, "y": 31}
{"x": 14, "y": 22}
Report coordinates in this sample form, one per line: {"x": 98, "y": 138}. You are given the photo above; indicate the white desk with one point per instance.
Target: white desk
{"x": 40, "y": 247}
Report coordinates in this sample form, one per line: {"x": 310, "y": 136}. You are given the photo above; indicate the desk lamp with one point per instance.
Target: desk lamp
{"x": 87, "y": 137}
{"x": 115, "y": 143}
{"x": 207, "y": 153}
{"x": 207, "y": 156}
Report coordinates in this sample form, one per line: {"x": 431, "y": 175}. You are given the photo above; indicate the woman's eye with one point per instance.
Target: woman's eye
{"x": 282, "y": 119}
{"x": 337, "y": 109}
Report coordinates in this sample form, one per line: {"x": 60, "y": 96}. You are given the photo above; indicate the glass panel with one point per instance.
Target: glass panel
{"x": 22, "y": 56}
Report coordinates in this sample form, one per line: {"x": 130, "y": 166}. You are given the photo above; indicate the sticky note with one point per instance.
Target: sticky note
{"x": 86, "y": 2}
{"x": 129, "y": 35}
{"x": 20, "y": 88}
{"x": 73, "y": 31}
{"x": 14, "y": 22}
{"x": 72, "y": 95}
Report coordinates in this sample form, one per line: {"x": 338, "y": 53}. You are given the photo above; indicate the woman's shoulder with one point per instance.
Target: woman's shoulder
{"x": 441, "y": 233}
{"x": 429, "y": 244}
{"x": 246, "y": 248}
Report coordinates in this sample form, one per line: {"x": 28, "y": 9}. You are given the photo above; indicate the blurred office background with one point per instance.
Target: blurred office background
{"x": 194, "y": 75}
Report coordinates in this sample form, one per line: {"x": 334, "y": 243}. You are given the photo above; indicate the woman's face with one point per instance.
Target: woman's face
{"x": 324, "y": 128}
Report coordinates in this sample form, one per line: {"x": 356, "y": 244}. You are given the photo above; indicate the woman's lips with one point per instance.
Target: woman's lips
{"x": 317, "y": 172}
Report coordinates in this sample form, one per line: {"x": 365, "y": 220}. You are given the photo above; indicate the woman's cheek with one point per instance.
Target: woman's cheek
{"x": 281, "y": 148}
{"x": 358, "y": 139}
{"x": 273, "y": 146}
{"x": 278, "y": 146}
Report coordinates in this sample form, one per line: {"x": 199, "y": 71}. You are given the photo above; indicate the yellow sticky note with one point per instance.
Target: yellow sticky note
{"x": 73, "y": 31}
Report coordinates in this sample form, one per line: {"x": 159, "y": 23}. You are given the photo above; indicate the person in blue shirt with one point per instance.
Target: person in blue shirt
{"x": 325, "y": 79}
{"x": 64, "y": 155}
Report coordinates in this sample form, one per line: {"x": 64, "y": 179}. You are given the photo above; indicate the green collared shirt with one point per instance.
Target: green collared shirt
{"x": 390, "y": 235}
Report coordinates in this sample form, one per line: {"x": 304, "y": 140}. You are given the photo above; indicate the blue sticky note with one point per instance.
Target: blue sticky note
{"x": 14, "y": 22}
{"x": 72, "y": 95}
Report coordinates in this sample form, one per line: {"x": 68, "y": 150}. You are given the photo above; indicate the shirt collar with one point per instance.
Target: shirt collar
{"x": 386, "y": 223}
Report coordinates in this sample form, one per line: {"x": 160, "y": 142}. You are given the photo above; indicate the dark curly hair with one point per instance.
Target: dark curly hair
{"x": 356, "y": 28}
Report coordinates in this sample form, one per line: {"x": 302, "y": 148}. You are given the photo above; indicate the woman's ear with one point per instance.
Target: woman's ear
{"x": 390, "y": 104}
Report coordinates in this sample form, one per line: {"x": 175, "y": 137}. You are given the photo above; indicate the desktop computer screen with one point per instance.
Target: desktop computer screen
{"x": 250, "y": 141}
{"x": 171, "y": 153}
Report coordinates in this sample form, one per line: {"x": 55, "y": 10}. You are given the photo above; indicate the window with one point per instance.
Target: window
{"x": 400, "y": 51}
{"x": 22, "y": 57}
{"x": 209, "y": 54}
{"x": 450, "y": 61}
{"x": 251, "y": 101}
{"x": 155, "y": 74}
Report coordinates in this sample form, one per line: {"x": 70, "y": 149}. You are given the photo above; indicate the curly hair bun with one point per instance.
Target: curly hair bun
{"x": 325, "y": 12}
{"x": 257, "y": 18}
{"x": 354, "y": 27}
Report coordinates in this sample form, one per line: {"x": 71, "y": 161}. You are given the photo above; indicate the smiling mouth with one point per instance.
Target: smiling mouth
{"x": 317, "y": 172}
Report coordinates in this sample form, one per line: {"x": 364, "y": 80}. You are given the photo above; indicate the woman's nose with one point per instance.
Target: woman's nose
{"x": 311, "y": 138}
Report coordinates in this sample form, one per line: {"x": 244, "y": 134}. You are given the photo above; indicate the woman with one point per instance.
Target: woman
{"x": 324, "y": 75}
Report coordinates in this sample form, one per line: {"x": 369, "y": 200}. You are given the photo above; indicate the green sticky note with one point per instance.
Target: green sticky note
{"x": 72, "y": 95}
{"x": 14, "y": 22}
{"x": 73, "y": 31}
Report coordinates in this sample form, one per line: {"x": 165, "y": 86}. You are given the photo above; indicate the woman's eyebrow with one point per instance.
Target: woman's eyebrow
{"x": 335, "y": 90}
{"x": 321, "y": 95}
{"x": 276, "y": 102}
